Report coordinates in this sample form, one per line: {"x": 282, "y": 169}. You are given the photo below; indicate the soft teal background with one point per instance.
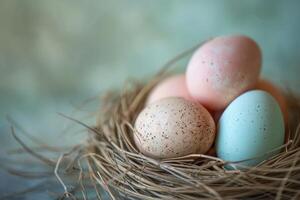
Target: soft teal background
{"x": 56, "y": 54}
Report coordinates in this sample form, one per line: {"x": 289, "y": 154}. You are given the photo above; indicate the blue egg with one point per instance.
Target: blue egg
{"x": 251, "y": 129}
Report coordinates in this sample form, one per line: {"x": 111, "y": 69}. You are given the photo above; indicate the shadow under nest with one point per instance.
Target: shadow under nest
{"x": 108, "y": 165}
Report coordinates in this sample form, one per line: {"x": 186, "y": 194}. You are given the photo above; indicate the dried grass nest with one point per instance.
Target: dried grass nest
{"x": 124, "y": 172}
{"x": 108, "y": 162}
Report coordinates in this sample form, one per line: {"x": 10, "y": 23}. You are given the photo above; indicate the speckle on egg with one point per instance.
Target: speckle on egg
{"x": 174, "y": 127}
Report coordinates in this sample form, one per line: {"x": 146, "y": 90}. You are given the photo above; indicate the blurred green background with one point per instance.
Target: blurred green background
{"x": 56, "y": 54}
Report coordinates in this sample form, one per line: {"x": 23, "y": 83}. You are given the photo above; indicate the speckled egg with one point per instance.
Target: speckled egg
{"x": 250, "y": 128}
{"x": 173, "y": 86}
{"x": 222, "y": 69}
{"x": 174, "y": 127}
{"x": 276, "y": 93}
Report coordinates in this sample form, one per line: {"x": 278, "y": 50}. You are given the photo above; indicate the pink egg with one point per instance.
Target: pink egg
{"x": 174, "y": 86}
{"x": 276, "y": 93}
{"x": 222, "y": 69}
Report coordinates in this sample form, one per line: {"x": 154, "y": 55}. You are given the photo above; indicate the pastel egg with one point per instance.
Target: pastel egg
{"x": 173, "y": 127}
{"x": 251, "y": 129}
{"x": 174, "y": 86}
{"x": 276, "y": 93}
{"x": 222, "y": 69}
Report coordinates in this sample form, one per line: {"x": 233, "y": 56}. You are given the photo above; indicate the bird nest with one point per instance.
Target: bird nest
{"x": 108, "y": 164}
{"x": 118, "y": 166}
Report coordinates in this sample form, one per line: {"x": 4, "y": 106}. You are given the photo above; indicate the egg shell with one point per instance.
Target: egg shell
{"x": 174, "y": 86}
{"x": 222, "y": 69}
{"x": 173, "y": 127}
{"x": 276, "y": 93}
{"x": 250, "y": 127}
